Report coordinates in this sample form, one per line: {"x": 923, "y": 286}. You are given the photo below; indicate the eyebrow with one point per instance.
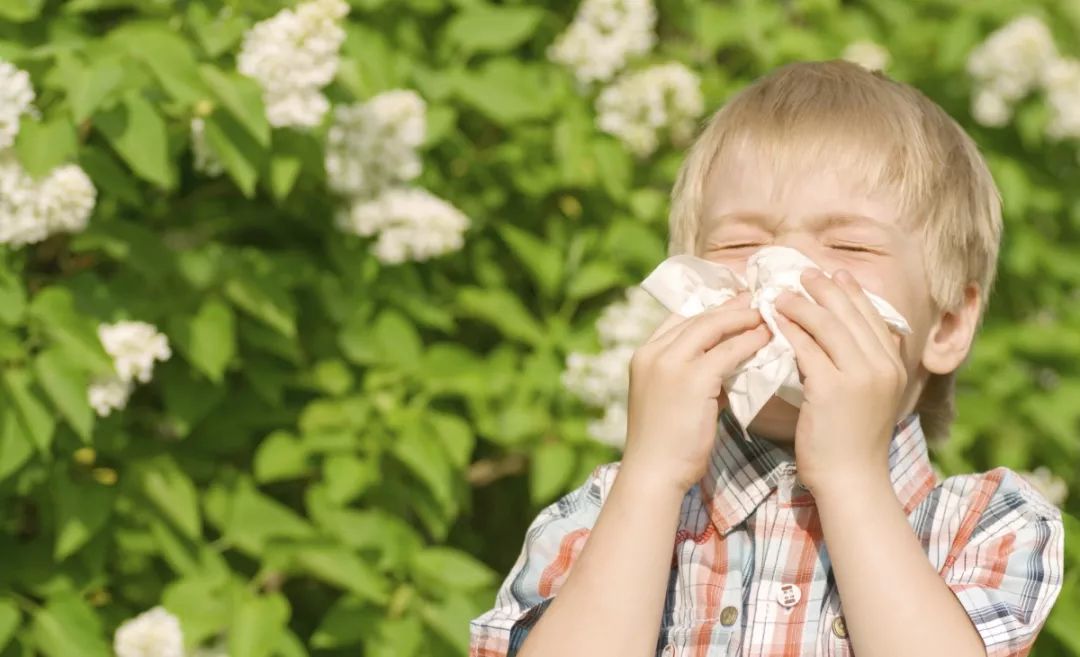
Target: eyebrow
{"x": 822, "y": 221}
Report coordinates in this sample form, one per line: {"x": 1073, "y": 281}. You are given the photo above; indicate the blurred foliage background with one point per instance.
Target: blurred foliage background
{"x": 288, "y": 301}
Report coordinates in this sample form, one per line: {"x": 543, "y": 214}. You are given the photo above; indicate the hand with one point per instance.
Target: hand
{"x": 853, "y": 380}
{"x": 676, "y": 389}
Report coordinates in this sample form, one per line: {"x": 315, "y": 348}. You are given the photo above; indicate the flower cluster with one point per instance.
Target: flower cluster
{"x": 133, "y": 346}
{"x": 603, "y": 36}
{"x": 293, "y": 55}
{"x": 602, "y": 380}
{"x": 867, "y": 54}
{"x": 206, "y": 161}
{"x": 640, "y": 105}
{"x": 31, "y": 210}
{"x": 1051, "y": 486}
{"x": 16, "y": 99}
{"x": 1016, "y": 60}
{"x": 372, "y": 152}
{"x": 373, "y": 145}
{"x": 153, "y": 633}
{"x": 412, "y": 224}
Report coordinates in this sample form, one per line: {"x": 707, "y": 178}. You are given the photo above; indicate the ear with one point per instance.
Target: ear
{"x": 950, "y": 338}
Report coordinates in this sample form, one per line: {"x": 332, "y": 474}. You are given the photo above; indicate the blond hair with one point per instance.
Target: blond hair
{"x": 836, "y": 112}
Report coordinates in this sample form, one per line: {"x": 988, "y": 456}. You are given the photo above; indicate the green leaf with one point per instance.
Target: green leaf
{"x": 280, "y": 456}
{"x": 238, "y": 153}
{"x": 263, "y": 300}
{"x": 348, "y": 621}
{"x": 171, "y": 490}
{"x": 257, "y": 626}
{"x": 89, "y": 91}
{"x": 242, "y": 97}
{"x": 551, "y": 467}
{"x": 16, "y": 447}
{"x": 254, "y": 518}
{"x": 81, "y": 511}
{"x": 67, "y": 626}
{"x": 208, "y": 338}
{"x": 170, "y": 58}
{"x": 541, "y": 257}
{"x": 33, "y": 420}
{"x": 46, "y": 145}
{"x": 12, "y": 297}
{"x": 446, "y": 569}
{"x": 484, "y": 28}
{"x": 503, "y": 310}
{"x": 10, "y": 618}
{"x": 292, "y": 151}
{"x": 20, "y": 11}
{"x": 53, "y": 308}
{"x": 449, "y": 618}
{"x": 340, "y": 566}
{"x": 66, "y": 386}
{"x": 423, "y": 455}
{"x": 219, "y": 31}
{"x": 508, "y": 91}
{"x": 593, "y": 278}
{"x": 137, "y": 132}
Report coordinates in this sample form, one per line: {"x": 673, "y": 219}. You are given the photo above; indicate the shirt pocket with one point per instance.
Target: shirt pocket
{"x": 834, "y": 635}
{"x": 713, "y": 619}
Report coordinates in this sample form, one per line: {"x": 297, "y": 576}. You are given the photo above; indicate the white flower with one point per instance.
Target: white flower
{"x": 990, "y": 109}
{"x": 134, "y": 346}
{"x": 602, "y": 380}
{"x": 1051, "y": 486}
{"x": 153, "y": 633}
{"x": 641, "y": 104}
{"x": 1061, "y": 82}
{"x": 611, "y": 428}
{"x": 599, "y": 379}
{"x": 32, "y": 210}
{"x": 867, "y": 54}
{"x": 371, "y": 146}
{"x": 1009, "y": 64}
{"x": 293, "y": 55}
{"x": 108, "y": 394}
{"x": 631, "y": 321}
{"x": 205, "y": 159}
{"x": 16, "y": 99}
{"x": 603, "y": 36}
{"x": 412, "y": 224}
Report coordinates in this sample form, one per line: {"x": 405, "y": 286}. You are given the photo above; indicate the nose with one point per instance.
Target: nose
{"x": 804, "y": 243}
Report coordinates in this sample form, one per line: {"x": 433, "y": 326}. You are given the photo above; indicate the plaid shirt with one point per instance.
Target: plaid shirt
{"x": 749, "y": 571}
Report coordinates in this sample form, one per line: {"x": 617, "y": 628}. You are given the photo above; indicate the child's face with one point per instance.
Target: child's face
{"x": 825, "y": 214}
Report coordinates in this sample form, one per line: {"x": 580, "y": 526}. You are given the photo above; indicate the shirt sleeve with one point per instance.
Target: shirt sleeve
{"x": 552, "y": 543}
{"x": 1006, "y": 561}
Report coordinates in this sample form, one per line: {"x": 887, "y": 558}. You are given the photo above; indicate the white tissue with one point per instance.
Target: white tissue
{"x": 688, "y": 285}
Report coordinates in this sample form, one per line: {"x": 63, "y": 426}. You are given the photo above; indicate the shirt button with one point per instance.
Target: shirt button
{"x": 728, "y": 616}
{"x": 669, "y": 650}
{"x": 839, "y": 628}
{"x": 789, "y": 595}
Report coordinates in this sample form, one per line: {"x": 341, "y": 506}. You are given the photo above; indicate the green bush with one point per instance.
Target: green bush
{"x": 340, "y": 438}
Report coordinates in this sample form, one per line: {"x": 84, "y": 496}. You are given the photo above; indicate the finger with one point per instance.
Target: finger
{"x": 836, "y": 298}
{"x": 826, "y": 329}
{"x": 809, "y": 355}
{"x": 885, "y": 337}
{"x": 729, "y": 353}
{"x": 671, "y": 321}
{"x": 709, "y": 329}
{"x": 739, "y": 301}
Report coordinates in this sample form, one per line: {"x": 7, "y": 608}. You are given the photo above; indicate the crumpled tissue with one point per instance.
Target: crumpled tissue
{"x": 687, "y": 285}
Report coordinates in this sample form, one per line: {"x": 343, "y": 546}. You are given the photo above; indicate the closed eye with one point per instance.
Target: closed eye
{"x": 853, "y": 247}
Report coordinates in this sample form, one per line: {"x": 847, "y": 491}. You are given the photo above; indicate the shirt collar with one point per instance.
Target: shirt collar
{"x": 744, "y": 469}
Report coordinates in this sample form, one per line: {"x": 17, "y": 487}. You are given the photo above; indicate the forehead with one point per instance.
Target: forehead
{"x": 793, "y": 184}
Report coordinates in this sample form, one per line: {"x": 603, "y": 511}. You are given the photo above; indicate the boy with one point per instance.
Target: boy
{"x": 819, "y": 530}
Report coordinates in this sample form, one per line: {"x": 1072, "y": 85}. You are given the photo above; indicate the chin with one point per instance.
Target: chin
{"x": 776, "y": 421}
